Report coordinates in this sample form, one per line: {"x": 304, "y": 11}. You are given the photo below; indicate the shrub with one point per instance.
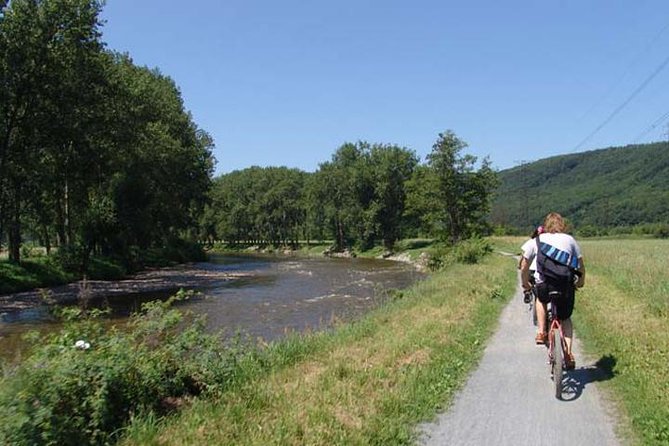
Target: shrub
{"x": 105, "y": 269}
{"x": 441, "y": 256}
{"x": 662, "y": 231}
{"x": 472, "y": 250}
{"x": 468, "y": 251}
{"x": 84, "y": 383}
{"x": 588, "y": 231}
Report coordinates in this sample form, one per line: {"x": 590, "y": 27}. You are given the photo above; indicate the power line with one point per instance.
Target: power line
{"x": 638, "y": 90}
{"x": 652, "y": 127}
{"x": 634, "y": 61}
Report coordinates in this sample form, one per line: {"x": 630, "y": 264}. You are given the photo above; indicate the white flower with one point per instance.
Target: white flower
{"x": 82, "y": 345}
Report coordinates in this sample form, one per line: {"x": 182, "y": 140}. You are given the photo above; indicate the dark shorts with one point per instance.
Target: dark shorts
{"x": 564, "y": 302}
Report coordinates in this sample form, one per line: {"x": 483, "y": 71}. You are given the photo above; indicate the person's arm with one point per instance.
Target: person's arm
{"x": 581, "y": 269}
{"x": 525, "y": 273}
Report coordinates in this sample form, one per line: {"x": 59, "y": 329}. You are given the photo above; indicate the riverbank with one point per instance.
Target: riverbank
{"x": 368, "y": 382}
{"x": 191, "y": 275}
{"x": 52, "y": 286}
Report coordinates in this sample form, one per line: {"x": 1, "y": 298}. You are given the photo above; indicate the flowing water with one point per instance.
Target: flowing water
{"x": 276, "y": 294}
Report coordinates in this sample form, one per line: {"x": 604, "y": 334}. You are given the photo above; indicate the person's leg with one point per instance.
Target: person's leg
{"x": 567, "y": 307}
{"x": 568, "y": 331}
{"x": 541, "y": 316}
{"x": 541, "y": 302}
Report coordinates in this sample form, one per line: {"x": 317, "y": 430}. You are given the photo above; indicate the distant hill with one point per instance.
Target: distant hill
{"x": 618, "y": 186}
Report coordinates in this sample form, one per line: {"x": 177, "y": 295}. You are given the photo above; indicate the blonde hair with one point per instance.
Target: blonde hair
{"x": 554, "y": 223}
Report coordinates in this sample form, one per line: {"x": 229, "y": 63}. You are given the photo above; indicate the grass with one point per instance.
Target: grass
{"x": 31, "y": 273}
{"x": 622, "y": 316}
{"x": 369, "y": 382}
{"x": 510, "y": 243}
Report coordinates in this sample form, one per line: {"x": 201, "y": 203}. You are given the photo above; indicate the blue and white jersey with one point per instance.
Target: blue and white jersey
{"x": 559, "y": 246}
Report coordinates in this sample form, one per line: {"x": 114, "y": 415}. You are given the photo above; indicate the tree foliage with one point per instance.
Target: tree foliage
{"x": 607, "y": 188}
{"x": 96, "y": 154}
{"x": 365, "y": 194}
{"x": 449, "y": 195}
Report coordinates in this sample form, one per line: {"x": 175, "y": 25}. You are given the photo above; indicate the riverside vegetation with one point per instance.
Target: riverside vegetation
{"x": 165, "y": 381}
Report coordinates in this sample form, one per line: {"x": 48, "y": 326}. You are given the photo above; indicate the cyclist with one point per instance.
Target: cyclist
{"x": 533, "y": 266}
{"x": 555, "y": 235}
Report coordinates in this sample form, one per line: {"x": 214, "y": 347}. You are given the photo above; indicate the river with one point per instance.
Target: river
{"x": 268, "y": 297}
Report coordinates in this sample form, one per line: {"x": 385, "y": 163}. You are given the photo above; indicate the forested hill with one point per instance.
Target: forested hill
{"x": 619, "y": 186}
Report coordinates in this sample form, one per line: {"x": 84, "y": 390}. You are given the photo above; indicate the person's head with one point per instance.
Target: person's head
{"x": 538, "y": 230}
{"x": 554, "y": 223}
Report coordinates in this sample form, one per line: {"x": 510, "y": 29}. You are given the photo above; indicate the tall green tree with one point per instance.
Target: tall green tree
{"x": 44, "y": 47}
{"x": 450, "y": 193}
{"x": 344, "y": 192}
{"x": 93, "y": 149}
{"x": 391, "y": 168}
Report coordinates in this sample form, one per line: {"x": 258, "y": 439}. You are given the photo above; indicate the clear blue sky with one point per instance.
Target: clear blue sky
{"x": 285, "y": 83}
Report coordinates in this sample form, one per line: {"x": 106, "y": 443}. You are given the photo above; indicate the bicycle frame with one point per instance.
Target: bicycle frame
{"x": 556, "y": 358}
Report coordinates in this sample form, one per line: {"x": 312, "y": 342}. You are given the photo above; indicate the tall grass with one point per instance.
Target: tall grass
{"x": 368, "y": 382}
{"x": 622, "y": 314}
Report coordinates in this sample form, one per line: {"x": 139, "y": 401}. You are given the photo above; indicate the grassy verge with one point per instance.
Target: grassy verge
{"x": 622, "y": 316}
{"x": 368, "y": 382}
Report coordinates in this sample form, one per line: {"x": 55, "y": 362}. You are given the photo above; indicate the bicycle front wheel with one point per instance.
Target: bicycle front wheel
{"x": 558, "y": 360}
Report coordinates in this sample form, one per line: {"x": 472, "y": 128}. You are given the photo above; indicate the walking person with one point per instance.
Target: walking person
{"x": 559, "y": 268}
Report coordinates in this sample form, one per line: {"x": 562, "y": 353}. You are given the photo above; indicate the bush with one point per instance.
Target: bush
{"x": 32, "y": 273}
{"x": 466, "y": 251}
{"x": 662, "y": 231}
{"x": 84, "y": 383}
{"x": 175, "y": 251}
{"x": 588, "y": 231}
{"x": 441, "y": 256}
{"x": 71, "y": 258}
{"x": 472, "y": 250}
{"x": 101, "y": 268}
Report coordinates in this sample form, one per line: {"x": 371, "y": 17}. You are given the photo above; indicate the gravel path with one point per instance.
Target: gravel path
{"x": 508, "y": 400}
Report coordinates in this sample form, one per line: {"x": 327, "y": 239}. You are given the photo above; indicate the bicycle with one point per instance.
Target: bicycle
{"x": 530, "y": 298}
{"x": 557, "y": 346}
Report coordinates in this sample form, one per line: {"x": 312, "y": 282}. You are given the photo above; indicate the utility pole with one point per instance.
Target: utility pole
{"x": 523, "y": 215}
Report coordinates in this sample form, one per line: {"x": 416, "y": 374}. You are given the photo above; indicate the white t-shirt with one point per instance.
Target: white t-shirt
{"x": 562, "y": 241}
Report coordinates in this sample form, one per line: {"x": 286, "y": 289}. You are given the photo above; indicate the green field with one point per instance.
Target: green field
{"x": 622, "y": 315}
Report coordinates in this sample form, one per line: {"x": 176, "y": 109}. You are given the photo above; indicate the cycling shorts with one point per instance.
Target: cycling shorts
{"x": 564, "y": 302}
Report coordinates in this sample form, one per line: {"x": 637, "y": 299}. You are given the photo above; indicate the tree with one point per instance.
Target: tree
{"x": 452, "y": 196}
{"x": 92, "y": 148}
{"x": 44, "y": 45}
{"x": 391, "y": 168}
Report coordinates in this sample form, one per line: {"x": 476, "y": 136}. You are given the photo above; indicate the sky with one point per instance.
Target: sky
{"x": 286, "y": 83}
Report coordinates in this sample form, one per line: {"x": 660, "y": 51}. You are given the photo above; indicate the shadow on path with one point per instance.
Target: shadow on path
{"x": 576, "y": 380}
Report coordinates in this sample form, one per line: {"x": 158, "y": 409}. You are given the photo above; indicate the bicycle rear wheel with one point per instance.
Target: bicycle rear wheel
{"x": 558, "y": 360}
{"x": 533, "y": 311}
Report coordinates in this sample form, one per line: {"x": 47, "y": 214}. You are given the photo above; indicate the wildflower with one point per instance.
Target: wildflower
{"x": 82, "y": 345}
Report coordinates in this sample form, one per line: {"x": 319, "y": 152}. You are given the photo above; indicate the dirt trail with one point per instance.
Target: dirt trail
{"x": 509, "y": 400}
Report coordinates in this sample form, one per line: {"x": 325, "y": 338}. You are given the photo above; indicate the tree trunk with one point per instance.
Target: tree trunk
{"x": 15, "y": 233}
{"x": 47, "y": 240}
{"x": 60, "y": 223}
{"x": 68, "y": 225}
